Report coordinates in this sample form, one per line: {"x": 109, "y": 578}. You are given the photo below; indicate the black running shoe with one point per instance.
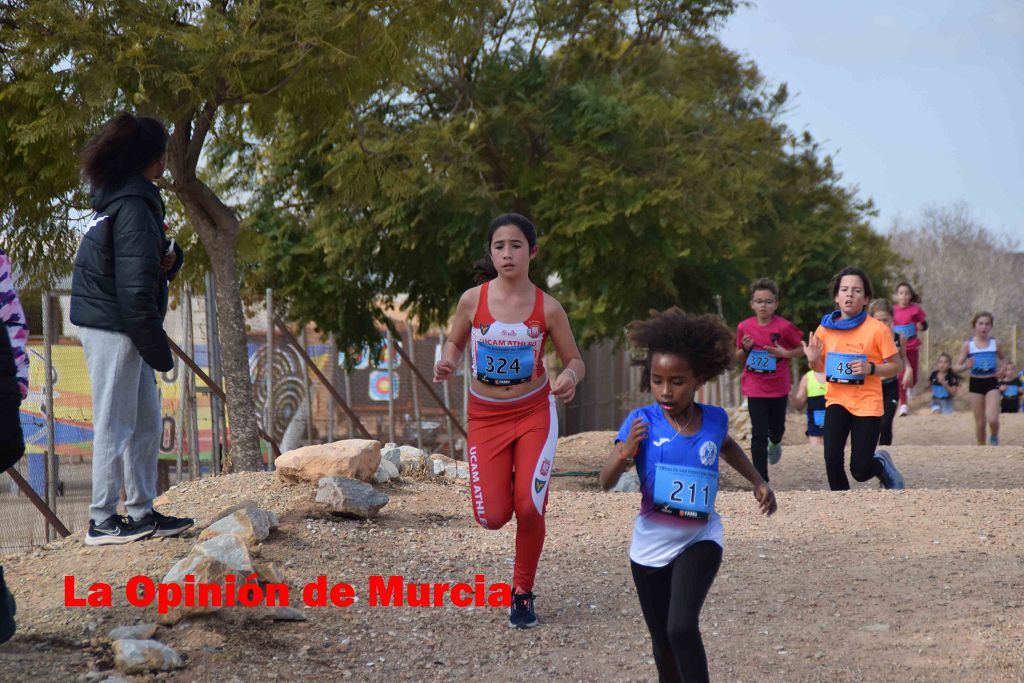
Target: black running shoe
{"x": 115, "y": 530}
{"x": 521, "y": 614}
{"x": 167, "y": 525}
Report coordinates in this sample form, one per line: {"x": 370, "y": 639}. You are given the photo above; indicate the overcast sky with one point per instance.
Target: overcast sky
{"x": 921, "y": 102}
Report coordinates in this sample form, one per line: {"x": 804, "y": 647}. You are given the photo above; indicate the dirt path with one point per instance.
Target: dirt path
{"x": 921, "y": 585}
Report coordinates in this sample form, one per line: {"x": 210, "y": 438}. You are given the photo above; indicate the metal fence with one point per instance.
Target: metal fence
{"x": 295, "y": 406}
{"x": 386, "y": 396}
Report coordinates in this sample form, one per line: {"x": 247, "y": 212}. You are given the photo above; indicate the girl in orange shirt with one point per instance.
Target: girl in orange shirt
{"x": 855, "y": 352}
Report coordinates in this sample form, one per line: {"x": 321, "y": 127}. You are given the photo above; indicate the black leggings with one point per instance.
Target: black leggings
{"x": 890, "y": 401}
{"x": 863, "y": 435}
{"x": 767, "y": 421}
{"x": 671, "y": 598}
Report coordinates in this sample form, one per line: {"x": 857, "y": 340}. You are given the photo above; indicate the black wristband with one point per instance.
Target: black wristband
{"x": 872, "y": 368}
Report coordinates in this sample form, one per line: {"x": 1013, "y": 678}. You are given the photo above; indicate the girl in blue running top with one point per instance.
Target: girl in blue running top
{"x": 982, "y": 355}
{"x": 675, "y": 444}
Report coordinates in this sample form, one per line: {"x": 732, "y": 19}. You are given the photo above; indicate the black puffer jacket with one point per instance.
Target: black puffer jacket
{"x": 117, "y": 283}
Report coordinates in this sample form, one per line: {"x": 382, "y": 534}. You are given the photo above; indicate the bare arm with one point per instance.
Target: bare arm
{"x": 565, "y": 346}
{"x": 961, "y": 361}
{"x": 623, "y": 452}
{"x": 733, "y": 454}
{"x": 457, "y": 336}
{"x": 799, "y": 399}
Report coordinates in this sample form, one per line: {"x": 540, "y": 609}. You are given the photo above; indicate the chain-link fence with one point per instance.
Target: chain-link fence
{"x": 194, "y": 423}
{"x": 391, "y": 401}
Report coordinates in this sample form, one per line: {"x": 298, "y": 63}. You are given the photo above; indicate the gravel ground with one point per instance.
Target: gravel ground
{"x": 921, "y": 585}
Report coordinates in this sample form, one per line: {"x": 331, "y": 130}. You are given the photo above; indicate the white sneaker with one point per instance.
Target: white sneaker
{"x": 902, "y": 411}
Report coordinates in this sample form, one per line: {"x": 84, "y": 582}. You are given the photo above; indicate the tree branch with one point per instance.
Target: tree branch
{"x": 203, "y": 122}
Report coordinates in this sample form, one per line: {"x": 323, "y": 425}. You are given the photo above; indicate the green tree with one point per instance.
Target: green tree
{"x": 808, "y": 226}
{"x": 587, "y": 118}
{"x": 651, "y": 157}
{"x": 225, "y": 68}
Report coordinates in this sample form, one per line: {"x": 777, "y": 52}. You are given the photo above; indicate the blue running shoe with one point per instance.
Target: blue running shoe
{"x": 890, "y": 477}
{"x": 521, "y": 614}
{"x": 993, "y": 439}
{"x": 774, "y": 452}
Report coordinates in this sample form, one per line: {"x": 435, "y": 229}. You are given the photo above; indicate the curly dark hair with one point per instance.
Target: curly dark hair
{"x": 124, "y": 147}
{"x": 703, "y": 340}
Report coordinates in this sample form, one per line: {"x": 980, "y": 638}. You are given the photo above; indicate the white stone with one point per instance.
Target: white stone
{"x": 139, "y": 656}
{"x": 251, "y": 525}
{"x": 456, "y": 471}
{"x": 386, "y": 471}
{"x": 412, "y": 459}
{"x": 628, "y": 483}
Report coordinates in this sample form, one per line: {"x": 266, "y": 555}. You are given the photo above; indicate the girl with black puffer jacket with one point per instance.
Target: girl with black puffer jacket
{"x": 118, "y": 300}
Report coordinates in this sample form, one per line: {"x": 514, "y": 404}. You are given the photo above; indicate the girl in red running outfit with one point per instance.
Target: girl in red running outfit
{"x": 513, "y": 426}
{"x": 908, "y": 319}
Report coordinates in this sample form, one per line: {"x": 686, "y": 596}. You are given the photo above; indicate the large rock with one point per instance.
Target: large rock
{"x": 386, "y": 471}
{"x": 628, "y": 483}
{"x": 352, "y": 458}
{"x": 139, "y": 656}
{"x": 349, "y": 498}
{"x": 250, "y": 525}
{"x": 211, "y": 562}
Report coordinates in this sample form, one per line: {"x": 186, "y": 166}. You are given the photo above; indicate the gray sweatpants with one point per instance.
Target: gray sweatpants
{"x": 126, "y": 424}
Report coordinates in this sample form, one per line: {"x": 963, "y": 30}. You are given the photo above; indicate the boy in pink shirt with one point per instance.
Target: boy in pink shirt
{"x": 764, "y": 344}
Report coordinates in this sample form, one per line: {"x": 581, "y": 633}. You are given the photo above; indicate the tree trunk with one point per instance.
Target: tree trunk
{"x": 218, "y": 228}
{"x": 244, "y": 455}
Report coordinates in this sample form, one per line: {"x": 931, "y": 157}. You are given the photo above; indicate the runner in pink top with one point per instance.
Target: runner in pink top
{"x": 764, "y": 344}
{"x": 908, "y": 319}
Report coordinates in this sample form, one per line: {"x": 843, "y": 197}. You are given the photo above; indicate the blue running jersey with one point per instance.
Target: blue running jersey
{"x": 658, "y": 538}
